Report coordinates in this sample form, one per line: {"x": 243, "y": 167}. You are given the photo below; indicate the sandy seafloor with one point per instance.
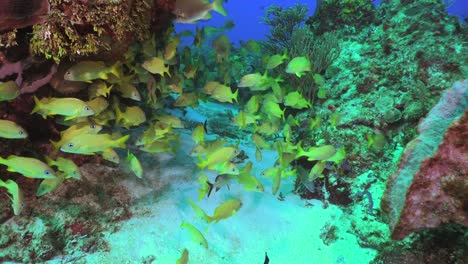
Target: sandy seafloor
{"x": 288, "y": 230}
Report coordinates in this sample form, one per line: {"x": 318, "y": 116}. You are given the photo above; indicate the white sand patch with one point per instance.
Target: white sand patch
{"x": 288, "y": 230}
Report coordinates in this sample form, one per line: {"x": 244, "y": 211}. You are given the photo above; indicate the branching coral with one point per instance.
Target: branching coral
{"x": 322, "y": 50}
{"x": 282, "y": 23}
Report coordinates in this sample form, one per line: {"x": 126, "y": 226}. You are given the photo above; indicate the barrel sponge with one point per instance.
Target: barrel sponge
{"x": 425, "y": 190}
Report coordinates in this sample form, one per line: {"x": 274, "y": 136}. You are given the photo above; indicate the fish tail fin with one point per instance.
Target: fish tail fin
{"x": 2, "y": 161}
{"x": 121, "y": 141}
{"x": 49, "y": 161}
{"x": 55, "y": 144}
{"x": 167, "y": 71}
{"x": 218, "y": 7}
{"x": 236, "y": 93}
{"x": 201, "y": 163}
{"x": 115, "y": 69}
{"x": 129, "y": 157}
{"x": 37, "y": 105}
{"x": 300, "y": 150}
{"x": 3, "y": 184}
{"x": 205, "y": 126}
{"x": 118, "y": 115}
{"x": 210, "y": 188}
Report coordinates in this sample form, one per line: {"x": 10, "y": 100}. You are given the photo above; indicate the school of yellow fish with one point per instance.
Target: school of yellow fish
{"x": 264, "y": 113}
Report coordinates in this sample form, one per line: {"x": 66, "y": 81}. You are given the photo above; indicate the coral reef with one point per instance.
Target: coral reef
{"x": 341, "y": 14}
{"x": 74, "y": 29}
{"x": 429, "y": 189}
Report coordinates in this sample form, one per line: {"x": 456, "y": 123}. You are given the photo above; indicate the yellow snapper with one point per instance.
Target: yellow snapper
{"x": 276, "y": 182}
{"x": 201, "y": 215}
{"x": 156, "y": 65}
{"x": 259, "y": 141}
{"x": 9, "y": 91}
{"x": 99, "y": 88}
{"x": 339, "y": 156}
{"x": 191, "y": 11}
{"x": 298, "y": 66}
{"x": 184, "y": 257}
{"x": 170, "y": 120}
{"x": 271, "y": 172}
{"x": 49, "y": 185}
{"x": 253, "y": 46}
{"x": 16, "y": 197}
{"x": 316, "y": 153}
{"x": 254, "y": 81}
{"x": 219, "y": 155}
{"x": 158, "y": 146}
{"x": 317, "y": 170}
{"x": 128, "y": 90}
{"x": 198, "y": 134}
{"x": 103, "y": 118}
{"x": 249, "y": 181}
{"x": 68, "y": 107}
{"x": 222, "y": 47}
{"x": 243, "y": 119}
{"x": 75, "y": 130}
{"x": 187, "y": 99}
{"x": 195, "y": 234}
{"x": 252, "y": 105}
{"x": 110, "y": 155}
{"x": 190, "y": 71}
{"x": 211, "y": 86}
{"x": 28, "y": 167}
{"x": 224, "y": 94}
{"x": 226, "y": 167}
{"x": 207, "y": 147}
{"x": 276, "y": 60}
{"x": 90, "y": 144}
{"x": 296, "y": 101}
{"x": 268, "y": 127}
{"x": 133, "y": 116}
{"x": 272, "y": 109}
{"x": 203, "y": 186}
{"x": 69, "y": 167}
{"x": 225, "y": 210}
{"x": 171, "y": 48}
{"x": 157, "y": 131}
{"x": 98, "y": 104}
{"x": 86, "y": 71}
{"x": 134, "y": 164}
{"x": 9, "y": 129}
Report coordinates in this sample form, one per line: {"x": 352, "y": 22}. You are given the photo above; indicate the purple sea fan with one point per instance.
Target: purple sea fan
{"x": 22, "y": 13}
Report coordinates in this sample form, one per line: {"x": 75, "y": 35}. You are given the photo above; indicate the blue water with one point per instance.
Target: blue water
{"x": 248, "y": 17}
